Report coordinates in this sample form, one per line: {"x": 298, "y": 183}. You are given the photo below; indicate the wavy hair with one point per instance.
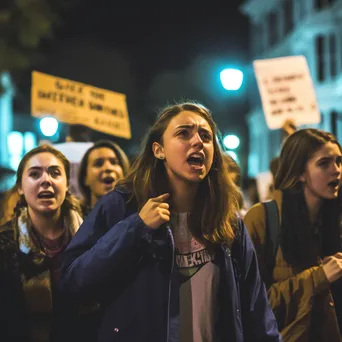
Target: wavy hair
{"x": 296, "y": 227}
{"x": 213, "y": 219}
{"x": 70, "y": 202}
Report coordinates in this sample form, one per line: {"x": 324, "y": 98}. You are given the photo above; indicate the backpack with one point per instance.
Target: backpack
{"x": 272, "y": 233}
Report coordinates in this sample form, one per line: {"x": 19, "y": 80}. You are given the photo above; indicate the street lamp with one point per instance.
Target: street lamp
{"x": 231, "y": 79}
{"x": 48, "y": 126}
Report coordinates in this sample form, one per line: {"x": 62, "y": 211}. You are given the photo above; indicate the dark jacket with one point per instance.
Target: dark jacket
{"x": 116, "y": 259}
{"x": 68, "y": 323}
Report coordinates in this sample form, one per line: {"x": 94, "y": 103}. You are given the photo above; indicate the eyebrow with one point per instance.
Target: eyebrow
{"x": 40, "y": 168}
{"x": 103, "y": 158}
{"x": 329, "y": 158}
{"x": 192, "y": 126}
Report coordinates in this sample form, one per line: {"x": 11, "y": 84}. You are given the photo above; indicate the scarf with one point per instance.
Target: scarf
{"x": 35, "y": 273}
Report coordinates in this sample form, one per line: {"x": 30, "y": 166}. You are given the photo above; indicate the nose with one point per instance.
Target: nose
{"x": 46, "y": 180}
{"x": 108, "y": 166}
{"x": 197, "y": 141}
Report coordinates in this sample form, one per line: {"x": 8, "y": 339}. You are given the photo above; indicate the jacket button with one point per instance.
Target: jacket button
{"x": 116, "y": 330}
{"x": 331, "y": 304}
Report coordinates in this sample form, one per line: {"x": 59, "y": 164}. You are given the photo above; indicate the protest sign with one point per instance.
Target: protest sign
{"x": 286, "y": 91}
{"x": 77, "y": 103}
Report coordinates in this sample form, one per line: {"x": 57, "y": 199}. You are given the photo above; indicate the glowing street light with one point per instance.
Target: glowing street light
{"x": 48, "y": 126}
{"x": 231, "y": 141}
{"x": 231, "y": 79}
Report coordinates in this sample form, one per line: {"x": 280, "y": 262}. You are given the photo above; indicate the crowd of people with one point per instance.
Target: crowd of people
{"x": 168, "y": 247}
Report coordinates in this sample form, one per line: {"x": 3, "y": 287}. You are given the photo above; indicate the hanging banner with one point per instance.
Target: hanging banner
{"x": 77, "y": 103}
{"x": 286, "y": 91}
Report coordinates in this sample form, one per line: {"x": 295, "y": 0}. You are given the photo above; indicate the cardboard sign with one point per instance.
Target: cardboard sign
{"x": 74, "y": 152}
{"x": 77, "y": 103}
{"x": 286, "y": 91}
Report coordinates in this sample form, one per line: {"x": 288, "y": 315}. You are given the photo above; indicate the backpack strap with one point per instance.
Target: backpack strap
{"x": 272, "y": 233}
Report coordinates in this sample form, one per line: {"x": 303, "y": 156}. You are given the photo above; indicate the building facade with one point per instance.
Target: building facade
{"x": 278, "y": 28}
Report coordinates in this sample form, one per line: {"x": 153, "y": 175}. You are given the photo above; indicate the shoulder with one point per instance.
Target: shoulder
{"x": 118, "y": 199}
{"x": 6, "y": 236}
{"x": 254, "y": 221}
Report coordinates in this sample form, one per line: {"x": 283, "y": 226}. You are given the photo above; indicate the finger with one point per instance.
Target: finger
{"x": 338, "y": 255}
{"x": 164, "y": 205}
{"x": 165, "y": 217}
{"x": 326, "y": 259}
{"x": 161, "y": 198}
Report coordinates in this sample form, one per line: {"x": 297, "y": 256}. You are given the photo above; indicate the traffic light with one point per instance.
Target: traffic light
{"x": 231, "y": 142}
{"x": 48, "y": 126}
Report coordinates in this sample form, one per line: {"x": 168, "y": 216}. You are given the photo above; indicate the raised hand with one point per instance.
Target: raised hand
{"x": 155, "y": 212}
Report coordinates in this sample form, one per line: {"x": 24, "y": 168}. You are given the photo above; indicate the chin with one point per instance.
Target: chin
{"x": 48, "y": 210}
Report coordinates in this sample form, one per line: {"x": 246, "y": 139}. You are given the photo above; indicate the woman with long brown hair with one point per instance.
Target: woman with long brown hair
{"x": 308, "y": 262}
{"x": 46, "y": 217}
{"x": 165, "y": 252}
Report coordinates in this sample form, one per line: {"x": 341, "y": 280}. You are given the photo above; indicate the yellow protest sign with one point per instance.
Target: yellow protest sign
{"x": 77, "y": 103}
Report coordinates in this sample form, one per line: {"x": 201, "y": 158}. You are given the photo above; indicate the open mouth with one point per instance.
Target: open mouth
{"x": 108, "y": 180}
{"x": 196, "y": 160}
{"x": 46, "y": 195}
{"x": 334, "y": 184}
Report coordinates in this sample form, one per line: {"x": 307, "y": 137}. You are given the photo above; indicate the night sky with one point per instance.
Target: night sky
{"x": 153, "y": 53}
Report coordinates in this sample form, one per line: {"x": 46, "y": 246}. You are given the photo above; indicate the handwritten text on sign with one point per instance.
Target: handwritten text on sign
{"x": 286, "y": 91}
{"x": 77, "y": 103}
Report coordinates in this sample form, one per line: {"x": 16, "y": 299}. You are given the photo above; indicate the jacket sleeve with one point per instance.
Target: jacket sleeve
{"x": 290, "y": 298}
{"x": 259, "y": 322}
{"x": 106, "y": 245}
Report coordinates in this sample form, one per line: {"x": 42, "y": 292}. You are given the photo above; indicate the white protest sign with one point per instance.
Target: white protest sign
{"x": 286, "y": 91}
{"x": 74, "y": 152}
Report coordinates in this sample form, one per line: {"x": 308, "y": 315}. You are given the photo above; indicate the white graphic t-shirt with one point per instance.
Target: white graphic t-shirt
{"x": 199, "y": 284}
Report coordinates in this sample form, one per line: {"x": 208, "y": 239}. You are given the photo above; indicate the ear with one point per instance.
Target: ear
{"x": 158, "y": 150}
{"x": 20, "y": 191}
{"x": 302, "y": 178}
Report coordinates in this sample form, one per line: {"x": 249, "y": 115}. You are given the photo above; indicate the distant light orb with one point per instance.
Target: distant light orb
{"x": 233, "y": 155}
{"x": 231, "y": 141}
{"x": 231, "y": 79}
{"x": 48, "y": 126}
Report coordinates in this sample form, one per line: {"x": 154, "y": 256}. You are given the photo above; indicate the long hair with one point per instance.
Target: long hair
{"x": 296, "y": 228}
{"x": 70, "y": 202}
{"x": 214, "y": 216}
{"x": 82, "y": 173}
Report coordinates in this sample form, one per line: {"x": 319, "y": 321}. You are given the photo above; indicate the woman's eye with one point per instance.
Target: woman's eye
{"x": 183, "y": 133}
{"x": 55, "y": 173}
{"x": 206, "y": 137}
{"x": 34, "y": 174}
{"x": 113, "y": 161}
{"x": 98, "y": 163}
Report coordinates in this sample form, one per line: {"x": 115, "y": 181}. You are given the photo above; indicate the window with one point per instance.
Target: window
{"x": 333, "y": 122}
{"x": 319, "y": 47}
{"x": 288, "y": 16}
{"x": 272, "y": 28}
{"x": 332, "y": 55}
{"x": 321, "y": 4}
{"x": 256, "y": 38}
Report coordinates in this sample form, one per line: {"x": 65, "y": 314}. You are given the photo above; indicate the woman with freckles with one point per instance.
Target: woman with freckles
{"x": 165, "y": 252}
{"x": 46, "y": 217}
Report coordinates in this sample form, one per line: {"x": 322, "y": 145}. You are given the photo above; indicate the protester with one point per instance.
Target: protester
{"x": 102, "y": 165}
{"x": 165, "y": 252}
{"x": 309, "y": 259}
{"x": 46, "y": 217}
